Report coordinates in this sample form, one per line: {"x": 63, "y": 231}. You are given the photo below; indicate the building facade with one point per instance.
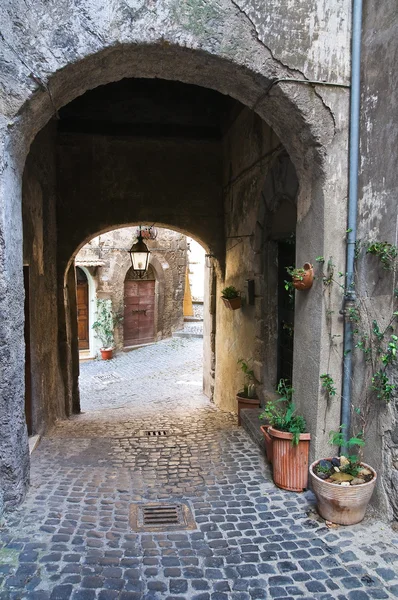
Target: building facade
{"x": 151, "y": 308}
{"x": 212, "y": 119}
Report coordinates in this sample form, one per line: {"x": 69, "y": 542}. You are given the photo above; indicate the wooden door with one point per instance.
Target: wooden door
{"x": 82, "y": 310}
{"x": 286, "y": 258}
{"x": 139, "y": 312}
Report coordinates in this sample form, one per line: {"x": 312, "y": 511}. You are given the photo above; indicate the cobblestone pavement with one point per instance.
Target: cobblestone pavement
{"x": 72, "y": 537}
{"x": 190, "y": 328}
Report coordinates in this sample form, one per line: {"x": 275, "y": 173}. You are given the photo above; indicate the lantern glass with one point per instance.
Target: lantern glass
{"x": 139, "y": 255}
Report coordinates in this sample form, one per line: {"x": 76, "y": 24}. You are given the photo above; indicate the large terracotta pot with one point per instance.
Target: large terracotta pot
{"x": 106, "y": 353}
{"x": 244, "y": 402}
{"x": 290, "y": 463}
{"x": 305, "y": 281}
{"x": 342, "y": 505}
{"x": 232, "y": 303}
{"x": 268, "y": 442}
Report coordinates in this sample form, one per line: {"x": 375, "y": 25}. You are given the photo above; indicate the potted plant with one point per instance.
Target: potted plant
{"x": 104, "y": 326}
{"x": 343, "y": 485}
{"x": 247, "y": 398}
{"x": 290, "y": 441}
{"x": 303, "y": 277}
{"x": 231, "y": 297}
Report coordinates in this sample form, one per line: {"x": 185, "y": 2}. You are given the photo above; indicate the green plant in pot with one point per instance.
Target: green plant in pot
{"x": 343, "y": 484}
{"x": 104, "y": 326}
{"x": 247, "y": 398}
{"x": 290, "y": 440}
{"x": 231, "y": 297}
{"x": 302, "y": 277}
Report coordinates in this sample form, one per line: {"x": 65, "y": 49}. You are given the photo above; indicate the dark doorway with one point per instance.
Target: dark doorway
{"x": 28, "y": 371}
{"x": 139, "y": 308}
{"x": 82, "y": 309}
{"x": 286, "y": 258}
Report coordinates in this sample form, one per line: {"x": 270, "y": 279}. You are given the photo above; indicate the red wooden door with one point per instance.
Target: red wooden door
{"x": 139, "y": 312}
{"x": 82, "y": 314}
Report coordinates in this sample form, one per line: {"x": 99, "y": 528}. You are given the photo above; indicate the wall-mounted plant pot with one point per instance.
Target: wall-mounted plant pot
{"x": 268, "y": 442}
{"x": 106, "y": 353}
{"x": 290, "y": 463}
{"x": 342, "y": 505}
{"x": 245, "y": 402}
{"x": 232, "y": 303}
{"x": 305, "y": 281}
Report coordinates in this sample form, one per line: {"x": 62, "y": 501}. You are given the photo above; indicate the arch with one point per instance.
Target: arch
{"x": 295, "y": 113}
{"x": 237, "y": 64}
{"x": 157, "y": 265}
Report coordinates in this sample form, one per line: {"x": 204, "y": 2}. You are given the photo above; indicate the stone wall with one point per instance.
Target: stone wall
{"x": 172, "y": 183}
{"x": 378, "y": 221}
{"x": 242, "y": 49}
{"x": 168, "y": 260}
{"x": 40, "y": 245}
{"x": 260, "y": 184}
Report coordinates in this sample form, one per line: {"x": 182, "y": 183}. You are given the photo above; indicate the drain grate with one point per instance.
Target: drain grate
{"x": 108, "y": 377}
{"x": 161, "y": 517}
{"x": 157, "y": 433}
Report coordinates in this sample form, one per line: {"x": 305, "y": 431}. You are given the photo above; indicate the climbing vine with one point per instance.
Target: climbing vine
{"x": 377, "y": 343}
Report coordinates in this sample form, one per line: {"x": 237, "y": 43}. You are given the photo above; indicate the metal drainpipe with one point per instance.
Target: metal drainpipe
{"x": 350, "y": 296}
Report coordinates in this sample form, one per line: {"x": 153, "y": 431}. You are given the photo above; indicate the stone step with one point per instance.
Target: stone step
{"x": 251, "y": 424}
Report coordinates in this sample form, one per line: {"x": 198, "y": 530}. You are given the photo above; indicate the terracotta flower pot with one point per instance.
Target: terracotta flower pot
{"x": 232, "y": 303}
{"x": 244, "y": 402}
{"x": 342, "y": 505}
{"x": 106, "y": 353}
{"x": 268, "y": 442}
{"x": 305, "y": 281}
{"x": 290, "y": 463}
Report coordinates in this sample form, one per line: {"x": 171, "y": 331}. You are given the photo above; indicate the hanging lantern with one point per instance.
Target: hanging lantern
{"x": 139, "y": 255}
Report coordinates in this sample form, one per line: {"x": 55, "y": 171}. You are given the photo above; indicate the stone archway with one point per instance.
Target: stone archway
{"x": 306, "y": 119}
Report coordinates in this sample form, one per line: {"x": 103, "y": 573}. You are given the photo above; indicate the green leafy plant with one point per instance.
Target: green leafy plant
{"x": 296, "y": 273}
{"x": 249, "y": 379}
{"x": 354, "y": 314}
{"x": 230, "y": 292}
{"x": 386, "y": 252}
{"x": 328, "y": 384}
{"x": 337, "y": 438}
{"x": 381, "y": 350}
{"x": 105, "y": 322}
{"x": 289, "y": 287}
{"x": 281, "y": 413}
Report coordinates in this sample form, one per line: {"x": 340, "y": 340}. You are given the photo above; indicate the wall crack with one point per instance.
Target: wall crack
{"x": 253, "y": 25}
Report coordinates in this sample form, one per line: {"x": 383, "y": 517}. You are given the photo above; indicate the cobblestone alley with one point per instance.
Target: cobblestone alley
{"x": 72, "y": 537}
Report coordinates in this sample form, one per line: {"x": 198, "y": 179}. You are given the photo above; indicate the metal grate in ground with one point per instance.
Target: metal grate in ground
{"x": 108, "y": 377}
{"x": 161, "y": 517}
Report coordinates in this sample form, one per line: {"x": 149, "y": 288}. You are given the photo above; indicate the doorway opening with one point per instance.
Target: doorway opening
{"x": 83, "y": 323}
{"x": 139, "y": 308}
{"x": 285, "y": 314}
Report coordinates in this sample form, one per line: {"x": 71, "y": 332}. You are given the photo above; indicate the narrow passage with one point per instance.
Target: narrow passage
{"x": 73, "y": 537}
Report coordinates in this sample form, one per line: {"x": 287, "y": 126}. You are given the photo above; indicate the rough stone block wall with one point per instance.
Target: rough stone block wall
{"x": 378, "y": 222}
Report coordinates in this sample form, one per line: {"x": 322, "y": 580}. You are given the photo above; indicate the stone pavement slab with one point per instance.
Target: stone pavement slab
{"x": 72, "y": 537}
